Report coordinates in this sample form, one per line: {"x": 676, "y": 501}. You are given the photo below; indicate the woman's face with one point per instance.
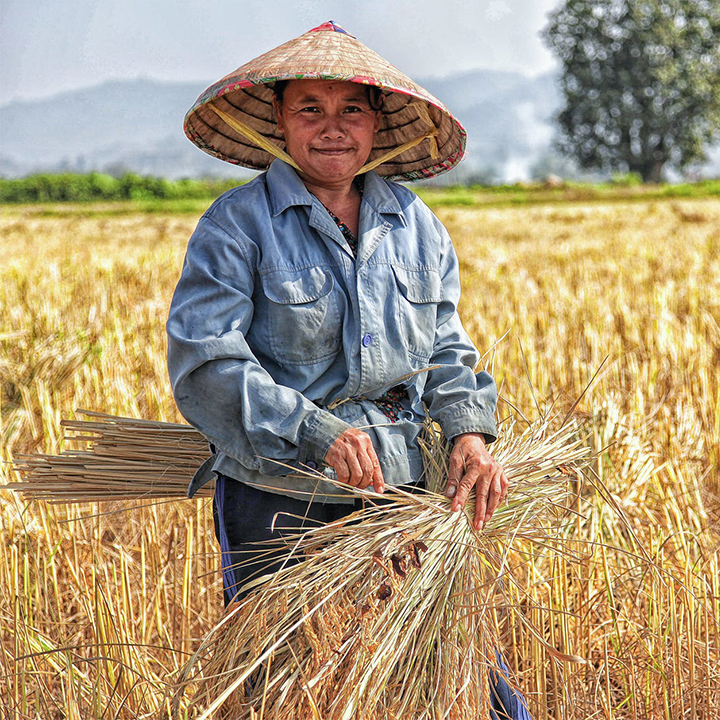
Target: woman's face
{"x": 329, "y": 128}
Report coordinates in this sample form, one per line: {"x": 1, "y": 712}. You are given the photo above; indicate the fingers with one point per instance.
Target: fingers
{"x": 467, "y": 483}
{"x": 365, "y": 468}
{"x": 455, "y": 471}
{"x": 341, "y": 468}
{"x": 471, "y": 465}
{"x": 378, "y": 479}
{"x": 355, "y": 461}
{"x": 481, "y": 501}
{"x": 491, "y": 488}
{"x": 355, "y": 469}
{"x": 496, "y": 492}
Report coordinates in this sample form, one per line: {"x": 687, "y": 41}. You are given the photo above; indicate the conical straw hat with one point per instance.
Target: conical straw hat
{"x": 234, "y": 121}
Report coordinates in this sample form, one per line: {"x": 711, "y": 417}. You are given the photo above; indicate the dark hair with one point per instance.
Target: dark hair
{"x": 374, "y": 94}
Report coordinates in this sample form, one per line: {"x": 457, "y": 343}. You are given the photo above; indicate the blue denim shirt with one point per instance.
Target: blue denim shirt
{"x": 273, "y": 322}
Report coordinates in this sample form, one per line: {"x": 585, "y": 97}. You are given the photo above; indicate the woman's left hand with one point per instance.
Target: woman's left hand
{"x": 471, "y": 465}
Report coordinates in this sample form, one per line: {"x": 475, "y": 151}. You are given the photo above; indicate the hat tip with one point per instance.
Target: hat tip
{"x": 332, "y": 26}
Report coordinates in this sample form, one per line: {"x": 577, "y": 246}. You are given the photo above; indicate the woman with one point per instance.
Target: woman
{"x": 315, "y": 318}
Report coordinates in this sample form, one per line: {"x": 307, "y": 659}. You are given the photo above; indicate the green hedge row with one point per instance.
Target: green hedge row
{"x": 72, "y": 187}
{"x": 93, "y": 187}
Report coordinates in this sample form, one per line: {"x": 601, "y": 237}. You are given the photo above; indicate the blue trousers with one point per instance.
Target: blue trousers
{"x": 244, "y": 516}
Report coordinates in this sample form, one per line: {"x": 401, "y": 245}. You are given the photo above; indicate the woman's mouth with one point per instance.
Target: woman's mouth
{"x": 332, "y": 151}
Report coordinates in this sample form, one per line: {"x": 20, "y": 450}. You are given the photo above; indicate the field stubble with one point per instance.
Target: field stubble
{"x": 98, "y": 608}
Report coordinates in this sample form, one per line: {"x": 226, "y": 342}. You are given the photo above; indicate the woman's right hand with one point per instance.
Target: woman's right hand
{"x": 355, "y": 461}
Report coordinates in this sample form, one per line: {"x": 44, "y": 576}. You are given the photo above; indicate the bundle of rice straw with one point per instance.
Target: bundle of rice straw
{"x": 118, "y": 458}
{"x": 391, "y": 612}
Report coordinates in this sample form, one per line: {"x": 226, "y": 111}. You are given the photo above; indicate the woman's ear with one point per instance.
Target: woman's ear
{"x": 277, "y": 109}
{"x": 378, "y": 120}
{"x": 379, "y": 113}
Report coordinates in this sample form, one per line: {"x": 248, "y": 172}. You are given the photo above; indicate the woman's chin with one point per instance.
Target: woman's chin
{"x": 334, "y": 167}
{"x": 329, "y": 173}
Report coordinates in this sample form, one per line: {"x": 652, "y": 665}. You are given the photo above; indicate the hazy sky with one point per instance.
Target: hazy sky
{"x": 48, "y": 46}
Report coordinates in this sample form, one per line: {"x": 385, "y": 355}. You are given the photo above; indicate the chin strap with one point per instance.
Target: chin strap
{"x": 270, "y": 147}
{"x": 254, "y": 136}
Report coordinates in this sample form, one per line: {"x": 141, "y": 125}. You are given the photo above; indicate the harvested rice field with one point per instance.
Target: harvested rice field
{"x": 604, "y": 312}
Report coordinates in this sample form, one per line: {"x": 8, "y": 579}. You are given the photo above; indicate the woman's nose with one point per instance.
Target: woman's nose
{"x": 333, "y": 127}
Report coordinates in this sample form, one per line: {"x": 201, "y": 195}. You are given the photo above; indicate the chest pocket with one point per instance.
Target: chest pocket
{"x": 303, "y": 315}
{"x": 420, "y": 291}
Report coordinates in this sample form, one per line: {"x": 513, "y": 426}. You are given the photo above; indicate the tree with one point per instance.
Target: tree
{"x": 641, "y": 82}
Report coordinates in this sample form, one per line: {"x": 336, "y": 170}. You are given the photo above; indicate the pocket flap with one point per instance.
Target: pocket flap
{"x": 419, "y": 286}
{"x": 294, "y": 287}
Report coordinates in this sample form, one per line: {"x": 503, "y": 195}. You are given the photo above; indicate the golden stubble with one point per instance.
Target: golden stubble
{"x": 98, "y": 608}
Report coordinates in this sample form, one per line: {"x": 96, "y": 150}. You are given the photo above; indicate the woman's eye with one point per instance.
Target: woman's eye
{"x": 353, "y": 109}
{"x": 309, "y": 109}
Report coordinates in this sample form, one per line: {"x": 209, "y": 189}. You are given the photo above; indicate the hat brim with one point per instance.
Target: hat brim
{"x": 246, "y": 95}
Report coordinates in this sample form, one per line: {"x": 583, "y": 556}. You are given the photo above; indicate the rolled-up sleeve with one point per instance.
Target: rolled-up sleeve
{"x": 218, "y": 384}
{"x": 457, "y": 398}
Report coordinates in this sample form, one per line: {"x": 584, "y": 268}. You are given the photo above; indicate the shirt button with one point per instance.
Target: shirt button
{"x": 367, "y": 340}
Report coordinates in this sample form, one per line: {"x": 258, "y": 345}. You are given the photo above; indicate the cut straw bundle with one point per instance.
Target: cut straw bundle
{"x": 391, "y": 612}
{"x": 118, "y": 459}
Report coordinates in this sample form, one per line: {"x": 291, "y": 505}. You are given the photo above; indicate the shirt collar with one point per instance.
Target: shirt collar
{"x": 287, "y": 189}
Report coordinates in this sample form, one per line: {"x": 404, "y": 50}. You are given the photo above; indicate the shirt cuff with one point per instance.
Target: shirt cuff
{"x": 324, "y": 429}
{"x": 469, "y": 420}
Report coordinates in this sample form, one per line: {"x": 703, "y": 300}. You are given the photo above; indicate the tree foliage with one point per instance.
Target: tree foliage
{"x": 641, "y": 82}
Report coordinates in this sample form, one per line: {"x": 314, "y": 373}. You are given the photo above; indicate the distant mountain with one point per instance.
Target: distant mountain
{"x": 508, "y": 117}
{"x": 137, "y": 125}
{"x": 133, "y": 124}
